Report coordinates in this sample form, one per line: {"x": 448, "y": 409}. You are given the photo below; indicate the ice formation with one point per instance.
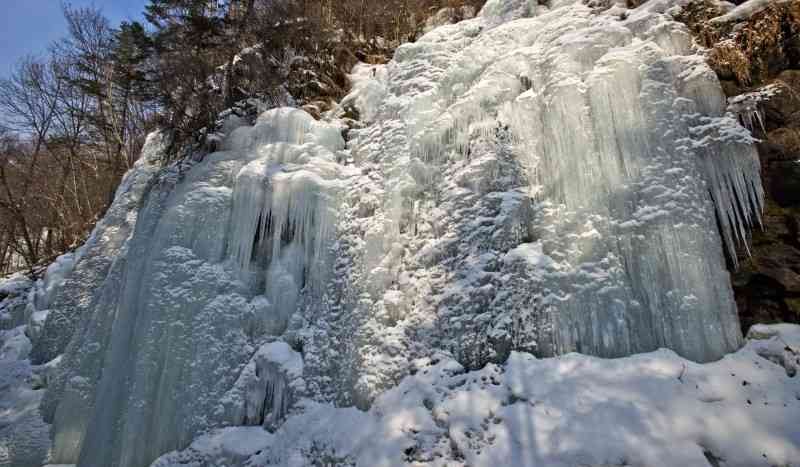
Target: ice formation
{"x": 653, "y": 409}
{"x": 220, "y": 255}
{"x": 547, "y": 177}
{"x": 597, "y": 135}
{"x": 266, "y": 387}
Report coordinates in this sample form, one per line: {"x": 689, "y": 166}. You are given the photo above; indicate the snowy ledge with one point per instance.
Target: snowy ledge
{"x": 654, "y": 409}
{"x": 746, "y": 10}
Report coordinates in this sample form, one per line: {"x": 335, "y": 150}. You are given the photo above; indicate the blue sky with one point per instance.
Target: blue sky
{"x": 29, "y": 26}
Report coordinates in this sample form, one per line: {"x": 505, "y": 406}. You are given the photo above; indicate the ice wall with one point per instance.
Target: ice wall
{"x": 222, "y": 250}
{"x": 548, "y": 177}
{"x": 544, "y": 178}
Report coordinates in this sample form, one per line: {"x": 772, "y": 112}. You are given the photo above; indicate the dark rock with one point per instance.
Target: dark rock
{"x": 760, "y": 301}
{"x": 783, "y": 109}
{"x": 731, "y": 87}
{"x": 792, "y": 50}
{"x": 785, "y": 183}
{"x": 781, "y": 263}
{"x": 782, "y": 144}
{"x": 777, "y": 226}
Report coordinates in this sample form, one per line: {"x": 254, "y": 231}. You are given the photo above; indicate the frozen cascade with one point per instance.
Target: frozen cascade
{"x": 284, "y": 206}
{"x": 597, "y": 136}
{"x": 541, "y": 178}
{"x": 221, "y": 254}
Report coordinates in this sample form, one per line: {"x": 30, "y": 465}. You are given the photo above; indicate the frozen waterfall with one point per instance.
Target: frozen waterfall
{"x": 542, "y": 178}
{"x": 219, "y": 258}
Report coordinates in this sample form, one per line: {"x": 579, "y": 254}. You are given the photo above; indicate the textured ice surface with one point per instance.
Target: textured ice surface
{"x": 72, "y": 287}
{"x": 544, "y": 178}
{"x": 598, "y": 136}
{"x": 23, "y": 434}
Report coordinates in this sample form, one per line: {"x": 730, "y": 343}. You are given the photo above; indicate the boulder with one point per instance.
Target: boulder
{"x": 783, "y": 109}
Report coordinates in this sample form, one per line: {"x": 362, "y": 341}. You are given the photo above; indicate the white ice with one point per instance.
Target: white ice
{"x": 541, "y": 179}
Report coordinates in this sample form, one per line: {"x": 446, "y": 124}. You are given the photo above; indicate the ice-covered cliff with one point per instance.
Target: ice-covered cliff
{"x": 545, "y": 178}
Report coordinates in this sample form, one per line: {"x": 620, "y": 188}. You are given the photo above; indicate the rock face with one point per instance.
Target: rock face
{"x": 756, "y": 51}
{"x": 545, "y": 178}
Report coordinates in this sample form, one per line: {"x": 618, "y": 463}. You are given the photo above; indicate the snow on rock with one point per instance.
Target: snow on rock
{"x": 747, "y": 106}
{"x": 746, "y": 10}
{"x": 447, "y": 15}
{"x": 14, "y": 291}
{"x": 266, "y": 388}
{"x": 227, "y": 446}
{"x": 649, "y": 409}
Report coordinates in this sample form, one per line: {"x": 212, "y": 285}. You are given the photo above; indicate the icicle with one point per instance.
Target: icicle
{"x": 284, "y": 206}
{"x": 733, "y": 175}
{"x": 747, "y": 107}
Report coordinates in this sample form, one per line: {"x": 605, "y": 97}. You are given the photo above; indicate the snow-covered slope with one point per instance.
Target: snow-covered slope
{"x": 654, "y": 409}
{"x": 541, "y": 179}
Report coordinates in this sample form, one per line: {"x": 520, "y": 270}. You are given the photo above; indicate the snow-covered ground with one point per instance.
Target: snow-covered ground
{"x": 655, "y": 409}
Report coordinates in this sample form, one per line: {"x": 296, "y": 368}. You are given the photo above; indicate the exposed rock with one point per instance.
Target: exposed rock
{"x": 783, "y": 109}
{"x": 786, "y": 183}
{"x": 782, "y": 144}
{"x": 780, "y": 263}
{"x": 749, "y": 48}
{"x": 749, "y": 52}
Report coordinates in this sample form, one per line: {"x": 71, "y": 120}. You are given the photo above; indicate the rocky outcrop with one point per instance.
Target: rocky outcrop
{"x": 755, "y": 51}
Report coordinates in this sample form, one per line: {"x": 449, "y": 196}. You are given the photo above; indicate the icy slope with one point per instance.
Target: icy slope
{"x": 654, "y": 409}
{"x": 541, "y": 179}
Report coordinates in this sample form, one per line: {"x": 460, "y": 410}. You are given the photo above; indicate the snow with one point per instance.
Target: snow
{"x": 531, "y": 254}
{"x": 649, "y": 409}
{"x": 23, "y": 435}
{"x": 368, "y": 88}
{"x": 14, "y": 290}
{"x": 228, "y": 446}
{"x": 536, "y": 181}
{"x": 746, "y": 10}
{"x": 266, "y": 388}
{"x": 747, "y": 108}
